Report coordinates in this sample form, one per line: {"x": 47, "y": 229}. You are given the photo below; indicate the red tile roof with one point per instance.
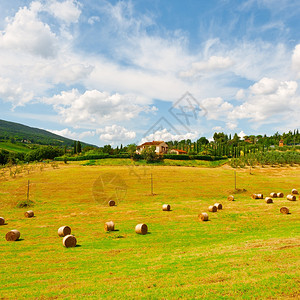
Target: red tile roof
{"x": 154, "y": 143}
{"x": 180, "y": 151}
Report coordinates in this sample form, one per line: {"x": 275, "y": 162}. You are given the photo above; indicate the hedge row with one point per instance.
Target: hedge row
{"x": 193, "y": 157}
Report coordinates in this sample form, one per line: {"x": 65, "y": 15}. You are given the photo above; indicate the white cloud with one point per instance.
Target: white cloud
{"x": 137, "y": 63}
{"x": 67, "y": 11}
{"x": 94, "y": 19}
{"x": 240, "y": 95}
{"x": 96, "y": 107}
{"x": 264, "y": 87}
{"x": 217, "y": 108}
{"x": 231, "y": 125}
{"x": 296, "y": 60}
{"x": 115, "y": 133}
{"x": 242, "y": 135}
{"x": 25, "y": 32}
{"x": 214, "y": 63}
{"x": 71, "y": 134}
{"x": 165, "y": 135}
{"x": 217, "y": 128}
{"x": 14, "y": 93}
{"x": 267, "y": 99}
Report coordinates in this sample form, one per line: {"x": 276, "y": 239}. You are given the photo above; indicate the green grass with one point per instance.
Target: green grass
{"x": 248, "y": 250}
{"x": 18, "y": 147}
{"x": 165, "y": 162}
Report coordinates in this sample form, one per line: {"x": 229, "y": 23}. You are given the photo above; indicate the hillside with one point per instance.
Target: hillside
{"x": 30, "y": 135}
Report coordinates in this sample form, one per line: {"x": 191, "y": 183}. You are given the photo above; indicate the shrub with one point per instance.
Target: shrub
{"x": 150, "y": 155}
{"x": 25, "y": 203}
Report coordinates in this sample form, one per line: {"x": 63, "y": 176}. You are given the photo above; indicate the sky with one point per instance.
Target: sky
{"x": 122, "y": 72}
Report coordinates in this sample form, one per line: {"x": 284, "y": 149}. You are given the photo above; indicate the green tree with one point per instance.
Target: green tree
{"x": 78, "y": 147}
{"x": 150, "y": 155}
{"x": 131, "y": 149}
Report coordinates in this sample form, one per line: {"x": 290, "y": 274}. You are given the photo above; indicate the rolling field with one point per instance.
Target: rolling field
{"x": 247, "y": 250}
{"x": 14, "y": 147}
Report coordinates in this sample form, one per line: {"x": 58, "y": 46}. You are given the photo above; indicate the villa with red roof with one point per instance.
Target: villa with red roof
{"x": 160, "y": 147}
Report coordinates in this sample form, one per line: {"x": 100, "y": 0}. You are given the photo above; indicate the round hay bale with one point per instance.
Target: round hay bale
{"x": 230, "y": 198}
{"x": 203, "y": 216}
{"x": 109, "y": 226}
{"x": 166, "y": 207}
{"x": 260, "y": 196}
{"x": 12, "y": 235}
{"x": 2, "y": 221}
{"x": 291, "y": 197}
{"x": 29, "y": 214}
{"x": 218, "y": 205}
{"x": 280, "y": 195}
{"x": 295, "y": 192}
{"x": 254, "y": 196}
{"x": 269, "y": 200}
{"x": 141, "y": 228}
{"x": 284, "y": 210}
{"x": 212, "y": 208}
{"x": 273, "y": 195}
{"x": 69, "y": 241}
{"x": 111, "y": 203}
{"x": 64, "y": 230}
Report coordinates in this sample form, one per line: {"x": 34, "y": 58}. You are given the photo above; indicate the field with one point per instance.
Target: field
{"x": 248, "y": 250}
{"x": 16, "y": 147}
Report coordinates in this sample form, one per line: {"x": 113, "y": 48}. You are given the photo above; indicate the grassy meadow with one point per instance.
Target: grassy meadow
{"x": 248, "y": 250}
{"x": 14, "y": 147}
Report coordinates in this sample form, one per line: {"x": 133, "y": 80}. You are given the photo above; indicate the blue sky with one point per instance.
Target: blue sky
{"x": 112, "y": 72}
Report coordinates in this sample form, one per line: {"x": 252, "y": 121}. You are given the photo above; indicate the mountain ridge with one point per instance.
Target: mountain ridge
{"x": 34, "y": 135}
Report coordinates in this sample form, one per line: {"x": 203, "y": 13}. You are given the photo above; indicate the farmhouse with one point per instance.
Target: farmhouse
{"x": 177, "y": 151}
{"x": 281, "y": 143}
{"x": 160, "y": 147}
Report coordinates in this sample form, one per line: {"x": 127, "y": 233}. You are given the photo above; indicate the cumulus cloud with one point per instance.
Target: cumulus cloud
{"x": 115, "y": 133}
{"x": 217, "y": 108}
{"x": 71, "y": 134}
{"x": 14, "y": 93}
{"x": 96, "y": 107}
{"x": 25, "y": 32}
{"x": 266, "y": 99}
{"x": 67, "y": 11}
{"x": 165, "y": 135}
{"x": 264, "y": 87}
{"x": 214, "y": 63}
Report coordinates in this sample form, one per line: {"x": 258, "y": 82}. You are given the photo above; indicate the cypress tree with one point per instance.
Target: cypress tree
{"x": 75, "y": 148}
{"x": 78, "y": 149}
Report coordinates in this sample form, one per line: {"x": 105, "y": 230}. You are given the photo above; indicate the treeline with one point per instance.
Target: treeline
{"x": 47, "y": 152}
{"x": 271, "y": 158}
{"x": 226, "y": 145}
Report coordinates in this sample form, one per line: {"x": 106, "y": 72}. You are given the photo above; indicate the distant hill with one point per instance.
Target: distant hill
{"x": 30, "y": 135}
